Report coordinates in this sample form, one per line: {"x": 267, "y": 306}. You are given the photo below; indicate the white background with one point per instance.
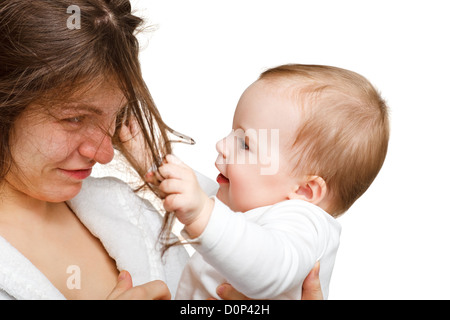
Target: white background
{"x": 204, "y": 53}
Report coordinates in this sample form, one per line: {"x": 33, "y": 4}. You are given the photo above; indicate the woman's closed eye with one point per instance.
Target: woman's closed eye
{"x": 75, "y": 120}
{"x": 73, "y": 123}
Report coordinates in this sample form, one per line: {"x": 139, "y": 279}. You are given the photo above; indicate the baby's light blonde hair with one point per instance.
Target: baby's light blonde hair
{"x": 344, "y": 131}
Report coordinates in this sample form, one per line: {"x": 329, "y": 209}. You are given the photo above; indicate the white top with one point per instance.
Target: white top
{"x": 128, "y": 227}
{"x": 265, "y": 253}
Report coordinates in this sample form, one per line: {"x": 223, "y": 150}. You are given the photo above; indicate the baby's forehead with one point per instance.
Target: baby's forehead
{"x": 307, "y": 94}
{"x": 294, "y": 97}
{"x": 266, "y": 98}
{"x": 268, "y": 107}
{"x": 292, "y": 90}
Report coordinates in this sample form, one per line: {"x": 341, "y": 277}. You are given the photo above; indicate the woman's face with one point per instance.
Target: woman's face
{"x": 54, "y": 148}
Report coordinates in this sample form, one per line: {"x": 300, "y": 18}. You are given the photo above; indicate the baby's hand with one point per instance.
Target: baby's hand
{"x": 184, "y": 195}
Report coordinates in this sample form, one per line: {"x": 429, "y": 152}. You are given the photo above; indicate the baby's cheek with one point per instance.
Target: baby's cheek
{"x": 243, "y": 198}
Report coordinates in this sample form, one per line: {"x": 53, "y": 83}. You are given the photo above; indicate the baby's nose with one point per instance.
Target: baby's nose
{"x": 221, "y": 147}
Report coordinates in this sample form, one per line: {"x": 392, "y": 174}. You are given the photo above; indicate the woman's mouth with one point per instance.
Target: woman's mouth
{"x": 221, "y": 179}
{"x": 77, "y": 174}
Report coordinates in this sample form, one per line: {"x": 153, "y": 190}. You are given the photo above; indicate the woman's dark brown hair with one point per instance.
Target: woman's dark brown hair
{"x": 43, "y": 58}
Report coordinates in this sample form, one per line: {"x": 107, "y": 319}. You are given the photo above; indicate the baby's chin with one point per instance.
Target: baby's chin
{"x": 223, "y": 197}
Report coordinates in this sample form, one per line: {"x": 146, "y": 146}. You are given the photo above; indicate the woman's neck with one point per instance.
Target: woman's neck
{"x": 20, "y": 208}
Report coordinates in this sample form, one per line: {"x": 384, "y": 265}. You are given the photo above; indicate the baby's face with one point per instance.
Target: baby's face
{"x": 255, "y": 158}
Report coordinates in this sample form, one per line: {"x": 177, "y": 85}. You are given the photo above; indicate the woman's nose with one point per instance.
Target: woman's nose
{"x": 98, "y": 148}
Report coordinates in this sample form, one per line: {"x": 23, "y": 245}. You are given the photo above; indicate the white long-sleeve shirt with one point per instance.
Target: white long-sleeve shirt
{"x": 265, "y": 253}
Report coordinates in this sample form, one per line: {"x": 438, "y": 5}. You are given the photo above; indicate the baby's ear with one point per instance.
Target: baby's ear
{"x": 312, "y": 189}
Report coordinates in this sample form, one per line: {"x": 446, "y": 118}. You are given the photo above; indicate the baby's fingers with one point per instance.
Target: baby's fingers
{"x": 172, "y": 186}
{"x": 170, "y": 158}
{"x": 172, "y": 171}
{"x": 151, "y": 178}
{"x": 156, "y": 176}
{"x": 173, "y": 203}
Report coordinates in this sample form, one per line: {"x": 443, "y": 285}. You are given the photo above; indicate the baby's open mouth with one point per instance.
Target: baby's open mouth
{"x": 221, "y": 179}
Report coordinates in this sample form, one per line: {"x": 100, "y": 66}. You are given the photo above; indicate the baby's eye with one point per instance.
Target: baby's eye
{"x": 243, "y": 144}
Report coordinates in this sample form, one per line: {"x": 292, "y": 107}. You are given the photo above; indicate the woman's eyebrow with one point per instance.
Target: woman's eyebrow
{"x": 83, "y": 107}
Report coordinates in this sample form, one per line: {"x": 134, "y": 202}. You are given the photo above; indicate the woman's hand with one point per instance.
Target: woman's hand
{"x": 124, "y": 290}
{"x": 311, "y": 289}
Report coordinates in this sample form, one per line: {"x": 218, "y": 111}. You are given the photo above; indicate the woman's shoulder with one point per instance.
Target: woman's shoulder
{"x": 103, "y": 184}
{"x": 108, "y": 196}
{"x": 103, "y": 189}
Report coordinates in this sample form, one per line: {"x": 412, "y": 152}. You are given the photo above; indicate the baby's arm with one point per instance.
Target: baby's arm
{"x": 264, "y": 259}
{"x": 260, "y": 260}
{"x": 184, "y": 195}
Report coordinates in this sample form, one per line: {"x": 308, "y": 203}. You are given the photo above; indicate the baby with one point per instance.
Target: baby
{"x": 307, "y": 141}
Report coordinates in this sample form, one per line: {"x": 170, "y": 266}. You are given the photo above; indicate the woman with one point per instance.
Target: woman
{"x": 64, "y": 92}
